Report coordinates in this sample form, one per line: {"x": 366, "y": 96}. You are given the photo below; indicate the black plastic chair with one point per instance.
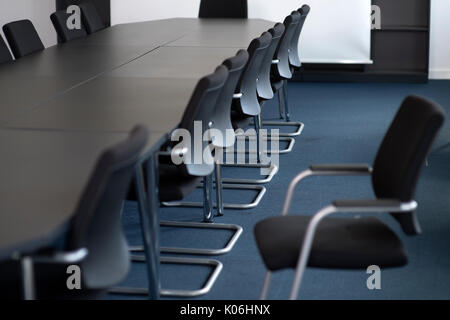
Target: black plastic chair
{"x": 23, "y": 38}
{"x": 222, "y": 123}
{"x": 348, "y": 243}
{"x": 5, "y": 55}
{"x": 265, "y": 90}
{"x": 94, "y": 241}
{"x": 246, "y": 105}
{"x": 294, "y": 55}
{"x": 59, "y": 20}
{"x": 264, "y": 85}
{"x": 91, "y": 18}
{"x": 237, "y": 9}
{"x": 178, "y": 180}
{"x": 281, "y": 69}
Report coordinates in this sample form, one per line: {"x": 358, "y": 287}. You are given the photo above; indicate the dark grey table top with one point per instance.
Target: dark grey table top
{"x": 175, "y": 62}
{"x": 153, "y": 89}
{"x": 223, "y": 33}
{"x": 83, "y": 96}
{"x": 37, "y": 78}
{"x": 114, "y": 104}
{"x": 43, "y": 174}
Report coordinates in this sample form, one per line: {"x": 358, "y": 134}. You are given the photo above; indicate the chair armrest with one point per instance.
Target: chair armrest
{"x": 324, "y": 170}
{"x": 62, "y": 257}
{"x": 374, "y": 205}
{"x": 357, "y": 168}
{"x": 363, "y": 206}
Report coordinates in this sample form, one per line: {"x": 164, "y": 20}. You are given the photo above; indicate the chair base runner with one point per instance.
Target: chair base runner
{"x": 237, "y": 206}
{"x": 299, "y": 125}
{"x": 272, "y": 173}
{"x": 289, "y": 148}
{"x": 197, "y": 225}
{"x": 217, "y": 265}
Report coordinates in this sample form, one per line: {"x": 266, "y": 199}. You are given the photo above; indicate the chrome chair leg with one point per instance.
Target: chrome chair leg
{"x": 219, "y": 188}
{"x": 195, "y": 251}
{"x": 257, "y": 123}
{"x": 208, "y": 216}
{"x": 236, "y": 206}
{"x": 217, "y": 269}
{"x": 27, "y": 268}
{"x": 290, "y": 140}
{"x": 271, "y": 168}
{"x": 281, "y": 104}
{"x": 286, "y": 99}
{"x": 266, "y": 285}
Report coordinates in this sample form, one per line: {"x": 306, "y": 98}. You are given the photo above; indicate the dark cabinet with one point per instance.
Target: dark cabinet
{"x": 400, "y": 49}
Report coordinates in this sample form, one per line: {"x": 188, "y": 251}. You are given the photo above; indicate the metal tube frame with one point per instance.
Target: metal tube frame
{"x": 319, "y": 216}
{"x": 236, "y": 206}
{"x": 198, "y": 225}
{"x": 27, "y": 267}
{"x": 289, "y": 148}
{"x": 208, "y": 219}
{"x": 273, "y": 172}
{"x": 217, "y": 269}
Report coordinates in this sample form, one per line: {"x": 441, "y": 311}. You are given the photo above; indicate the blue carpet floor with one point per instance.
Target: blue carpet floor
{"x": 344, "y": 123}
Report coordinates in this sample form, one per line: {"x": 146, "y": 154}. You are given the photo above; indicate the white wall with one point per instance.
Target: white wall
{"x": 38, "y": 11}
{"x": 440, "y": 39}
{"x": 326, "y": 38}
{"x": 139, "y": 10}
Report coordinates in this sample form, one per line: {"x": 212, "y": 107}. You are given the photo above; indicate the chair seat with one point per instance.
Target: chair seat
{"x": 175, "y": 185}
{"x": 341, "y": 243}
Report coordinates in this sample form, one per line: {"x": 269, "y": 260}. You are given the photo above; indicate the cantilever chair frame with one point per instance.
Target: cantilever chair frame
{"x": 355, "y": 206}
{"x": 150, "y": 251}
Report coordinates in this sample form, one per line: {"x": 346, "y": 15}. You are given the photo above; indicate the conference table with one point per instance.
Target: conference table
{"x": 60, "y": 108}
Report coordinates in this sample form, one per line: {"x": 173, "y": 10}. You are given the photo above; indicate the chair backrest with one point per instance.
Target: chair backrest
{"x": 294, "y": 54}
{"x": 248, "y": 104}
{"x": 403, "y": 153}
{"x": 97, "y": 221}
{"x": 264, "y": 84}
{"x": 5, "y": 55}
{"x": 222, "y": 121}
{"x": 223, "y": 9}
{"x": 282, "y": 70}
{"x": 91, "y": 18}
{"x": 23, "y": 38}
{"x": 198, "y": 118}
{"x": 59, "y": 20}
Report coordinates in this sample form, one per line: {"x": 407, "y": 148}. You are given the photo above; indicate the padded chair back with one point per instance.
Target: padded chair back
{"x": 59, "y": 20}
{"x": 90, "y": 17}
{"x": 222, "y": 121}
{"x": 248, "y": 104}
{"x": 97, "y": 220}
{"x": 403, "y": 153}
{"x": 5, "y": 55}
{"x": 282, "y": 69}
{"x": 198, "y": 117}
{"x": 223, "y": 9}
{"x": 294, "y": 55}
{"x": 23, "y": 38}
{"x": 264, "y": 84}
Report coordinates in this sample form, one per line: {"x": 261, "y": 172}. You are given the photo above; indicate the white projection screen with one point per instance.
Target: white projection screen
{"x": 337, "y": 31}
